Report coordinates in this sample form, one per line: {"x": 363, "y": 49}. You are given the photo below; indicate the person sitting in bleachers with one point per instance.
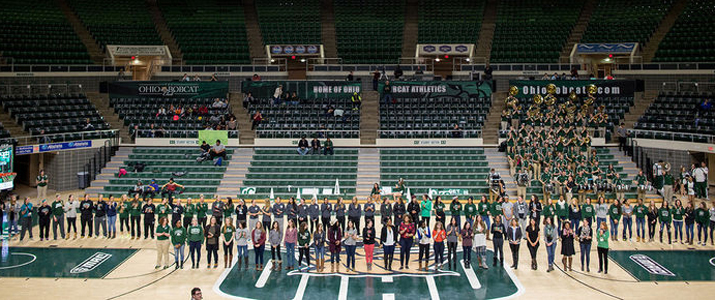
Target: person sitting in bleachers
{"x": 277, "y": 95}
{"x": 457, "y": 132}
{"x": 303, "y": 146}
{"x": 257, "y": 118}
{"x": 138, "y": 188}
{"x": 185, "y": 77}
{"x": 197, "y": 78}
{"x": 328, "y": 147}
{"x": 43, "y": 139}
{"x": 294, "y": 98}
{"x": 217, "y": 150}
{"x": 88, "y": 126}
{"x": 315, "y": 146}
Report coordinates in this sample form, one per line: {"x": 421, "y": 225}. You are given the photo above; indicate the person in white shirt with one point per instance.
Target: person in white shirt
{"x": 701, "y": 181}
{"x": 71, "y": 207}
{"x": 277, "y": 95}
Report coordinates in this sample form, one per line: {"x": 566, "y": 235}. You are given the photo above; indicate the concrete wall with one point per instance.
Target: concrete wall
{"x": 62, "y": 167}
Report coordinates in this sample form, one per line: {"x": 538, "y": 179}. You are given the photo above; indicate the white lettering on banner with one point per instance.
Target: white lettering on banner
{"x": 168, "y": 90}
{"x": 91, "y": 263}
{"x": 563, "y": 90}
{"x": 337, "y": 89}
{"x": 419, "y": 89}
{"x": 137, "y": 50}
{"x": 430, "y": 142}
{"x": 650, "y": 265}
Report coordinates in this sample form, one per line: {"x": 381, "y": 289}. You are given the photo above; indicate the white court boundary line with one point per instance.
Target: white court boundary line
{"x": 264, "y": 275}
{"x": 301, "y": 287}
{"x": 34, "y": 258}
{"x": 433, "y": 292}
{"x": 343, "y": 293}
{"x": 471, "y": 276}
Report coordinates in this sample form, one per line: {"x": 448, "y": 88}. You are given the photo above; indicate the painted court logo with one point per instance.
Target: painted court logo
{"x": 91, "y": 263}
{"x": 650, "y": 265}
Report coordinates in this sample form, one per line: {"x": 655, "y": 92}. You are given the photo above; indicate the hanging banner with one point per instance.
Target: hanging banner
{"x": 606, "y": 48}
{"x": 248, "y": 191}
{"x": 441, "y": 49}
{"x": 168, "y": 89}
{"x": 298, "y": 50}
{"x": 432, "y": 89}
{"x": 210, "y": 136}
{"x": 304, "y": 89}
{"x": 620, "y": 88}
{"x": 448, "y": 192}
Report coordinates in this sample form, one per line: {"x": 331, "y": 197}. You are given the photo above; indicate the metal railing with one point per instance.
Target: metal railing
{"x": 177, "y": 134}
{"x": 672, "y": 136}
{"x": 40, "y": 89}
{"x": 98, "y": 161}
{"x": 111, "y": 134}
{"x": 308, "y": 133}
{"x": 420, "y": 134}
{"x": 688, "y": 86}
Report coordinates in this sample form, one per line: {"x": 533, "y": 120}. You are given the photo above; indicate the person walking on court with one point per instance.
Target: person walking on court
{"x": 212, "y": 233}
{"x": 86, "y": 208}
{"x": 58, "y": 217}
{"x": 26, "y": 219}
{"x": 602, "y": 248}
{"x": 71, "y": 207}
{"x": 242, "y": 237}
{"x": 44, "y": 212}
{"x": 388, "y": 238}
{"x": 498, "y": 231}
{"x": 335, "y": 237}
{"x": 227, "y": 236}
{"x": 163, "y": 234}
{"x": 514, "y": 234}
{"x": 424, "y": 238}
{"x": 551, "y": 236}
{"x": 584, "y": 239}
{"x": 567, "y": 247}
{"x": 196, "y": 237}
{"x": 275, "y": 237}
{"x": 178, "y": 239}
{"x": 532, "y": 240}
{"x": 452, "y": 239}
{"x": 407, "y": 233}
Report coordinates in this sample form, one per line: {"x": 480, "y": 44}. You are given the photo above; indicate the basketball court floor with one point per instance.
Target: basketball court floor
{"x": 121, "y": 268}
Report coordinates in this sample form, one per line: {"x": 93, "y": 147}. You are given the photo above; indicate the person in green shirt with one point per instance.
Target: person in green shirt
{"x": 135, "y": 212}
{"x": 58, "y": 217}
{"x": 641, "y": 183}
{"x": 549, "y": 210}
{"x": 614, "y": 211}
{"x": 124, "y": 214}
{"x": 496, "y": 210}
{"x": 228, "y": 209}
{"x": 562, "y": 211}
{"x": 41, "y": 182}
{"x": 163, "y": 209}
{"x": 702, "y": 218}
{"x": 470, "y": 211}
{"x": 195, "y": 236}
{"x": 189, "y": 212}
{"x": 483, "y": 210}
{"x": 678, "y": 212}
{"x": 178, "y": 239}
{"x": 587, "y": 212}
{"x": 328, "y": 147}
{"x": 201, "y": 209}
{"x": 163, "y": 234}
{"x": 665, "y": 216}
{"x": 640, "y": 211}
{"x": 602, "y": 247}
{"x": 426, "y": 209}
{"x": 455, "y": 208}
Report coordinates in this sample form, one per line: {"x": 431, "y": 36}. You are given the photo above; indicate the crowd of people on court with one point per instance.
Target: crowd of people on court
{"x": 322, "y": 227}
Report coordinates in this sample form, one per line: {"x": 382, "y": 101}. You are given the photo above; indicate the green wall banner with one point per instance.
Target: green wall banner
{"x": 448, "y": 192}
{"x": 304, "y": 89}
{"x": 169, "y": 89}
{"x": 431, "y": 89}
{"x": 210, "y": 136}
{"x": 605, "y": 88}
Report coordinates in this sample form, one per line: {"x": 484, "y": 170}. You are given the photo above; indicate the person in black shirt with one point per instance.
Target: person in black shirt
{"x": 241, "y": 212}
{"x": 205, "y": 147}
{"x": 176, "y": 211}
{"x": 535, "y": 208}
{"x": 398, "y": 72}
{"x": 217, "y": 208}
{"x": 387, "y": 93}
{"x": 398, "y": 210}
{"x": 148, "y": 210}
{"x": 315, "y": 147}
{"x": 385, "y": 210}
{"x": 350, "y": 77}
{"x": 86, "y": 207}
{"x": 44, "y": 212}
{"x": 488, "y": 72}
{"x": 413, "y": 208}
{"x": 100, "y": 217}
{"x": 303, "y": 146}
{"x": 498, "y": 240}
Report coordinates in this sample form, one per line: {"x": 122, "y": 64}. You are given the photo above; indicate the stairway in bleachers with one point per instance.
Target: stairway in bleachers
{"x": 246, "y": 135}
{"x": 641, "y": 104}
{"x": 370, "y": 122}
{"x": 253, "y": 30}
{"x": 235, "y": 172}
{"x": 368, "y": 171}
{"x": 486, "y": 34}
{"x": 95, "y": 52}
{"x": 108, "y": 172}
{"x": 410, "y": 31}
{"x": 498, "y": 161}
{"x": 492, "y": 122}
{"x": 327, "y": 29}
{"x": 650, "y": 48}
{"x": 578, "y": 29}
{"x": 101, "y": 102}
{"x": 164, "y": 32}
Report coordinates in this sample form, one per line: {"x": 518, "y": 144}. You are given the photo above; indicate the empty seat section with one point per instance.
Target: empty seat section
{"x": 289, "y": 21}
{"x": 125, "y": 22}
{"x": 615, "y": 21}
{"x": 450, "y": 22}
{"x": 369, "y": 31}
{"x": 690, "y": 38}
{"x": 433, "y": 117}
